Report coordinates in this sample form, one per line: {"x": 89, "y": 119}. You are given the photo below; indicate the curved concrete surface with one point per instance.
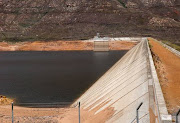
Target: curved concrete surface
{"x": 123, "y": 87}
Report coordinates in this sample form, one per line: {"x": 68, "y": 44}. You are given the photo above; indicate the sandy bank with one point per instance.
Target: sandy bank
{"x": 62, "y": 45}
{"x": 55, "y": 115}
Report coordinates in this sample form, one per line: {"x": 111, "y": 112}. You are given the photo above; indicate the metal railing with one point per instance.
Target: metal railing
{"x": 137, "y": 113}
{"x": 177, "y": 120}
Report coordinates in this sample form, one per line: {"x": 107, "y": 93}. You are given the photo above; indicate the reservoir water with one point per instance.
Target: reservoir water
{"x": 52, "y": 77}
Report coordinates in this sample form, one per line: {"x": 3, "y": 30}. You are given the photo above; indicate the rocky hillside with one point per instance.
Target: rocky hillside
{"x": 151, "y": 3}
{"x": 22, "y": 20}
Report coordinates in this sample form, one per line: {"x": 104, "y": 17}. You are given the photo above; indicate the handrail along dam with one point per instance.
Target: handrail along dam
{"x": 132, "y": 80}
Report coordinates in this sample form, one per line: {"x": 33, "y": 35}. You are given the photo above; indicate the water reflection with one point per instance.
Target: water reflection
{"x": 51, "y": 77}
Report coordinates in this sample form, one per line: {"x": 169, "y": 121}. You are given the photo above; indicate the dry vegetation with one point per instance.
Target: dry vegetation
{"x": 46, "y": 20}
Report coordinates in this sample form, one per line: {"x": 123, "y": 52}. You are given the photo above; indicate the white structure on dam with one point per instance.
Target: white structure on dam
{"x": 123, "y": 87}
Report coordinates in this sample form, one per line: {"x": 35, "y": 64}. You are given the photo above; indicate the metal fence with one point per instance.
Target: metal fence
{"x": 139, "y": 118}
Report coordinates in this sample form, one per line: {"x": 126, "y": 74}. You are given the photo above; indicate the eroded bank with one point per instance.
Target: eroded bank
{"x": 62, "y": 45}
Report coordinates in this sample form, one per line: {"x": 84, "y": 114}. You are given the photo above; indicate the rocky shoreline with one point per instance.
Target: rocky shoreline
{"x": 5, "y": 101}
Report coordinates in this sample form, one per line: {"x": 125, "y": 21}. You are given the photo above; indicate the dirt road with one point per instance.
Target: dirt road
{"x": 168, "y": 68}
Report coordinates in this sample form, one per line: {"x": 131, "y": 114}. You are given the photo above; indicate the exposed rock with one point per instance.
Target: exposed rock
{"x": 162, "y": 22}
{"x": 5, "y": 101}
{"x": 151, "y": 3}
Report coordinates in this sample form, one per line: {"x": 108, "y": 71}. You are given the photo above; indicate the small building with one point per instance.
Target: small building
{"x": 101, "y": 44}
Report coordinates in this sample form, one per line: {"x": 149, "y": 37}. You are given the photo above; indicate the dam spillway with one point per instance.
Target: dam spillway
{"x": 123, "y": 87}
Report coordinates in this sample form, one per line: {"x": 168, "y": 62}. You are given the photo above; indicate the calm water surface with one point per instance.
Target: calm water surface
{"x": 51, "y": 77}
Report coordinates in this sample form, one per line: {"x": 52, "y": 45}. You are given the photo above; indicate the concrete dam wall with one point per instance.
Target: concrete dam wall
{"x": 123, "y": 87}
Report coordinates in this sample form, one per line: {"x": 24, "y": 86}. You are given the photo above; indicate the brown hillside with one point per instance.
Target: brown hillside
{"x": 82, "y": 19}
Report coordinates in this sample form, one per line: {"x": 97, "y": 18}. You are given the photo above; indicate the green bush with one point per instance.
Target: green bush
{"x": 122, "y": 3}
{"x": 172, "y": 45}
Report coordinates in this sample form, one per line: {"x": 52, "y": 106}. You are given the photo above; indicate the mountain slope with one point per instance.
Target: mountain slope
{"x": 151, "y": 3}
{"x": 82, "y": 19}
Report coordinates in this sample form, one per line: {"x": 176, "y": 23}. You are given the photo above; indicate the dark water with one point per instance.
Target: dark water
{"x": 52, "y": 77}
